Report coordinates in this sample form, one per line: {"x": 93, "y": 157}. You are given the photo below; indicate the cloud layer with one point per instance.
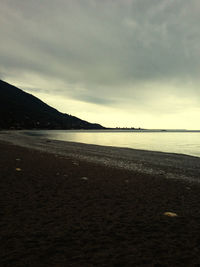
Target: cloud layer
{"x": 138, "y": 57}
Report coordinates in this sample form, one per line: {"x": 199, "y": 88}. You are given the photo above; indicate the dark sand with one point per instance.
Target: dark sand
{"x": 52, "y": 216}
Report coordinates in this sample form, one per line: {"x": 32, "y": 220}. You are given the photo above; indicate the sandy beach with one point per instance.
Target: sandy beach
{"x": 71, "y": 204}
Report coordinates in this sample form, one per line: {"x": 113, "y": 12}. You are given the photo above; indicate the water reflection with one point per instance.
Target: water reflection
{"x": 174, "y": 142}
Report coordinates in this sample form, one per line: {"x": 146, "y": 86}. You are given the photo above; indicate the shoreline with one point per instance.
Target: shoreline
{"x": 166, "y": 165}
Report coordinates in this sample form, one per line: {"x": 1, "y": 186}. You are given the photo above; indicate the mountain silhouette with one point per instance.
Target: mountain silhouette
{"x": 20, "y": 110}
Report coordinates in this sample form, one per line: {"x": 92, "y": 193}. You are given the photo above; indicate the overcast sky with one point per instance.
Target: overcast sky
{"x": 128, "y": 63}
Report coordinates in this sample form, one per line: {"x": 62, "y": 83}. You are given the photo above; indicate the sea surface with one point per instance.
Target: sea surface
{"x": 182, "y": 142}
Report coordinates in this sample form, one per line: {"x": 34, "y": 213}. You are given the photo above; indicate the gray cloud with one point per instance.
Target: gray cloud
{"x": 106, "y": 52}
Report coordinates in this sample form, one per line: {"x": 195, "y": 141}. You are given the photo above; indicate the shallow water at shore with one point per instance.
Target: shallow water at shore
{"x": 173, "y": 142}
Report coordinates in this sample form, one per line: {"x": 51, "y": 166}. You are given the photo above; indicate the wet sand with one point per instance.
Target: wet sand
{"x": 67, "y": 209}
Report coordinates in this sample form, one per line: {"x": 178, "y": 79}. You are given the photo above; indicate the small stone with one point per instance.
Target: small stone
{"x": 18, "y": 159}
{"x": 84, "y": 178}
{"x": 170, "y": 214}
{"x": 18, "y": 169}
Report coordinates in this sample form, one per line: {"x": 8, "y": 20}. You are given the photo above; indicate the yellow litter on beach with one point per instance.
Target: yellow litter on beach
{"x": 18, "y": 169}
{"x": 170, "y": 214}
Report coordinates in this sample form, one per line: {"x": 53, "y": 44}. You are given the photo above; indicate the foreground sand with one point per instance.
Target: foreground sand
{"x": 60, "y": 210}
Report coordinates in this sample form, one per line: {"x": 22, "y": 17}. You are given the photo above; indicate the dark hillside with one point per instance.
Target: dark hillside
{"x": 20, "y": 110}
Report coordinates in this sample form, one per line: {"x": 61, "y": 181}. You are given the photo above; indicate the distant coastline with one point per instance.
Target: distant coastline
{"x": 150, "y": 130}
{"x": 104, "y": 129}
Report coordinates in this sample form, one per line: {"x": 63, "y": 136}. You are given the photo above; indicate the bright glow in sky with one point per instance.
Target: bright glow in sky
{"x": 128, "y": 63}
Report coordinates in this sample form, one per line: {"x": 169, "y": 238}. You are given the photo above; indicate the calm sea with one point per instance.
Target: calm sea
{"x": 173, "y": 142}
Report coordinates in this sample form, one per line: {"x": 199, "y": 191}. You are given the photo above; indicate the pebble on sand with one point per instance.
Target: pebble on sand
{"x": 170, "y": 214}
{"x": 84, "y": 178}
{"x": 18, "y": 169}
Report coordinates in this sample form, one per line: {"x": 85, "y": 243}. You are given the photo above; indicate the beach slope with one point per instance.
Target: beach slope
{"x": 75, "y": 205}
